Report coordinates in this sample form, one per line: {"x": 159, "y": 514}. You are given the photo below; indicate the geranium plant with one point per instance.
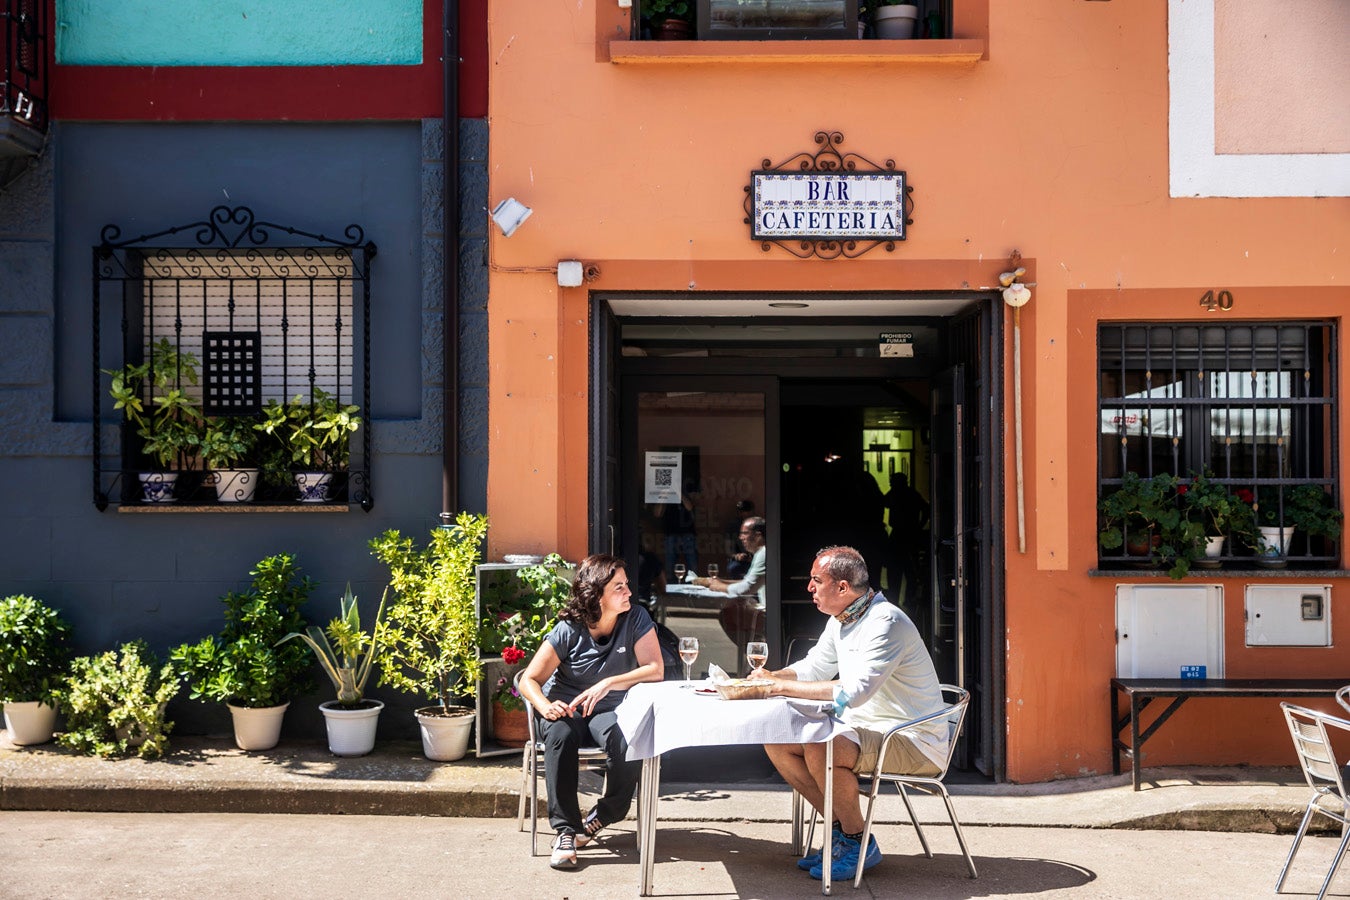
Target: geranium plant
{"x": 1145, "y": 515}
{"x": 1218, "y": 509}
{"x": 519, "y": 612}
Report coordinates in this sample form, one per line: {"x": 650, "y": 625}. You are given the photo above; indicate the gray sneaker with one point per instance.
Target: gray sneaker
{"x": 564, "y": 851}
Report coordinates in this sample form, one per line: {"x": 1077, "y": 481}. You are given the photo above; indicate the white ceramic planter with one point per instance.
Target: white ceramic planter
{"x": 1214, "y": 546}
{"x": 1275, "y": 540}
{"x": 444, "y": 738}
{"x": 235, "y": 485}
{"x": 157, "y": 487}
{"x": 257, "y": 728}
{"x": 351, "y": 732}
{"x": 29, "y": 722}
{"x": 895, "y": 22}
{"x": 313, "y": 486}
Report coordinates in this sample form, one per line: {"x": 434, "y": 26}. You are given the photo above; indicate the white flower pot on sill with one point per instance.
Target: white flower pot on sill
{"x": 235, "y": 485}
{"x": 896, "y": 22}
{"x": 313, "y": 486}
{"x": 157, "y": 487}
{"x": 1275, "y": 540}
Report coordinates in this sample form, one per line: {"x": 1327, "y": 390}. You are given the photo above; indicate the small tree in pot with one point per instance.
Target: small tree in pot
{"x": 242, "y": 666}
{"x": 430, "y": 632}
{"x": 34, "y": 651}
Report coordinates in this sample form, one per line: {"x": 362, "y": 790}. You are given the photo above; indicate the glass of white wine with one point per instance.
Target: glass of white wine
{"x": 712, "y": 570}
{"x": 688, "y": 653}
{"x": 679, "y": 573}
{"x": 757, "y": 654}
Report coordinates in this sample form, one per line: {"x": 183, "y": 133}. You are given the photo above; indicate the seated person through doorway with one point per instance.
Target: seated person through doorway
{"x": 753, "y": 535}
{"x": 738, "y": 562}
{"x": 872, "y": 663}
{"x": 602, "y": 645}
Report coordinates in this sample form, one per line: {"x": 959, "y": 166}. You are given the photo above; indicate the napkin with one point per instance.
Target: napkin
{"x": 717, "y": 675}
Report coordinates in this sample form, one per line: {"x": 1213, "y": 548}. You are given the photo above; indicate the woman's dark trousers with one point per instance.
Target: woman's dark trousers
{"x": 562, "y": 738}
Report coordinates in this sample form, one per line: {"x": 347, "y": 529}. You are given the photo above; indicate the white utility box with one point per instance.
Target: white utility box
{"x": 1289, "y": 615}
{"x": 1162, "y": 628}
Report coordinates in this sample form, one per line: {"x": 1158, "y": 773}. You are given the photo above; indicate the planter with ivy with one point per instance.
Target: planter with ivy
{"x": 34, "y": 650}
{"x": 429, "y": 633}
{"x": 245, "y": 666}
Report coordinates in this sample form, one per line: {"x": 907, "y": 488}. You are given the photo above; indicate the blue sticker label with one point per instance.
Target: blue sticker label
{"x": 1192, "y": 671}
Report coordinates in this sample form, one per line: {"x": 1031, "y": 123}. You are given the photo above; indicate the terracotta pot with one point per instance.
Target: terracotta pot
{"x": 674, "y": 30}
{"x": 510, "y": 727}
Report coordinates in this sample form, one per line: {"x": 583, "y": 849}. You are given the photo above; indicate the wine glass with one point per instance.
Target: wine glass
{"x": 688, "y": 653}
{"x": 679, "y": 573}
{"x": 757, "y": 653}
{"x": 712, "y": 570}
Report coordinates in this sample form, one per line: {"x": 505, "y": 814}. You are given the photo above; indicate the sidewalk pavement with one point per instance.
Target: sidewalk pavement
{"x": 205, "y": 774}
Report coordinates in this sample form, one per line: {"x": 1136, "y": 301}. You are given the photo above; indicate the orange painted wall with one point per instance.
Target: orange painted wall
{"x": 1056, "y": 145}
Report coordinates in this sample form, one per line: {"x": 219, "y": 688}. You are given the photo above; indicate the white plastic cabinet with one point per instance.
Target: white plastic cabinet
{"x": 1288, "y": 615}
{"x": 1161, "y": 628}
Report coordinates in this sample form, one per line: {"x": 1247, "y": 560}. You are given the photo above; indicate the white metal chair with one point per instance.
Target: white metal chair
{"x": 1343, "y": 697}
{"x": 532, "y": 767}
{"x": 954, "y": 715}
{"x": 1308, "y": 728}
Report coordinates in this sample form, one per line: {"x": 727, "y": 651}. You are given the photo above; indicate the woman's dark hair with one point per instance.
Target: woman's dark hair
{"x": 595, "y": 571}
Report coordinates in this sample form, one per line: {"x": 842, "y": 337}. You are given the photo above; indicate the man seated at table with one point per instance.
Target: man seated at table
{"x": 742, "y": 617}
{"x": 881, "y": 676}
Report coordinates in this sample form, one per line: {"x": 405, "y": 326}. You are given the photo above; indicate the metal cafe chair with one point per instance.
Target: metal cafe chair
{"x": 955, "y": 715}
{"x": 532, "y": 768}
{"x": 1308, "y": 727}
{"x": 1343, "y": 697}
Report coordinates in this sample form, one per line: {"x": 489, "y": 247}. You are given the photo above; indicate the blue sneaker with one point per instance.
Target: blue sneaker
{"x": 812, "y": 860}
{"x": 845, "y": 862}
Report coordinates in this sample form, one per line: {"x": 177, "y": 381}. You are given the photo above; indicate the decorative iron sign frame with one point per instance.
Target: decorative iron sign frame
{"x": 829, "y": 203}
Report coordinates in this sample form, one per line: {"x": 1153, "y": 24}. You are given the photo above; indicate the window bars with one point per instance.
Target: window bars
{"x": 1251, "y": 405}
{"x": 234, "y": 347}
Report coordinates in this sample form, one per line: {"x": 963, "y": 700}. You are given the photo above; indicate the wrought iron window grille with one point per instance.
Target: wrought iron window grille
{"x": 23, "y": 83}
{"x": 1251, "y": 404}
{"x": 249, "y": 321}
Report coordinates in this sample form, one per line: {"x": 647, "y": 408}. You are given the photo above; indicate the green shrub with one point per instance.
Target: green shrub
{"x": 114, "y": 703}
{"x": 243, "y": 664}
{"x": 34, "y": 649}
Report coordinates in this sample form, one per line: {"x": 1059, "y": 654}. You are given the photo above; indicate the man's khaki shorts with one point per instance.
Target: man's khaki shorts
{"x": 902, "y": 757}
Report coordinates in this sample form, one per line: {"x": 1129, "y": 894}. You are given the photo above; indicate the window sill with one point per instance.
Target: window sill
{"x": 1211, "y": 574}
{"x": 232, "y": 508}
{"x": 956, "y": 52}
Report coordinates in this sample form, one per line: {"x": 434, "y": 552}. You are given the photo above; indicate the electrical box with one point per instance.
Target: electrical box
{"x": 1169, "y": 631}
{"x": 1288, "y": 615}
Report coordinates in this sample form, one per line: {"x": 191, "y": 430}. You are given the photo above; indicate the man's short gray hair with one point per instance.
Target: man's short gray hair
{"x": 845, "y": 564}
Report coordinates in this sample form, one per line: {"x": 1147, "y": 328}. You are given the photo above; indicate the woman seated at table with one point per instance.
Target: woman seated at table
{"x": 601, "y": 646}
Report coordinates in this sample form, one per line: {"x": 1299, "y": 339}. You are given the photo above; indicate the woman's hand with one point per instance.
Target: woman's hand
{"x": 556, "y": 710}
{"x": 586, "y": 700}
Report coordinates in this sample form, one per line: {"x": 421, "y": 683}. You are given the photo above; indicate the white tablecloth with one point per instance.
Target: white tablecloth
{"x": 656, "y": 717}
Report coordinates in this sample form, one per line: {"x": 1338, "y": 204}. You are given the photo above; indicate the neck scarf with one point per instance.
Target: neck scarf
{"x": 856, "y": 609}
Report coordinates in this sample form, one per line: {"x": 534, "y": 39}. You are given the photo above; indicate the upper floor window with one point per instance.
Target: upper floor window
{"x": 237, "y": 369}
{"x": 1250, "y": 407}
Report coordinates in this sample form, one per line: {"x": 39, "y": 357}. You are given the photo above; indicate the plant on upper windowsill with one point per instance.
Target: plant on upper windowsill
{"x": 895, "y": 19}
{"x": 668, "y": 20}
{"x": 1144, "y": 515}
{"x": 167, "y": 420}
{"x": 1305, "y": 507}
{"x": 314, "y": 438}
{"x": 1222, "y": 513}
{"x": 229, "y": 449}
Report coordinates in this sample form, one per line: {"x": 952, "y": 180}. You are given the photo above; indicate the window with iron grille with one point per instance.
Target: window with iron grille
{"x": 1249, "y": 405}
{"x": 235, "y": 355}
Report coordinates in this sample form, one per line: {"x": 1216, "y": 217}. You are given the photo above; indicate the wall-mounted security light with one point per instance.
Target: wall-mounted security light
{"x": 509, "y": 214}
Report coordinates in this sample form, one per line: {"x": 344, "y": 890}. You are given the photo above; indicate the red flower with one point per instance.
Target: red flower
{"x": 1181, "y": 489}
{"x": 1245, "y": 495}
{"x": 512, "y": 655}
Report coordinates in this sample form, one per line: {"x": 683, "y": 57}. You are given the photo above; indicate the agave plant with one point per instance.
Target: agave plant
{"x": 339, "y": 648}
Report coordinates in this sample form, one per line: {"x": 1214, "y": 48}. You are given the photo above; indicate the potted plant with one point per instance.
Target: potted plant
{"x": 1145, "y": 516}
{"x": 229, "y": 444}
{"x": 1281, "y": 512}
{"x": 894, "y": 19}
{"x": 243, "y": 666}
{"x": 1221, "y": 512}
{"x": 168, "y": 421}
{"x": 33, "y": 654}
{"x": 518, "y": 614}
{"x": 115, "y": 703}
{"x": 430, "y": 631}
{"x": 314, "y": 438}
{"x": 345, "y": 653}
{"x": 669, "y": 20}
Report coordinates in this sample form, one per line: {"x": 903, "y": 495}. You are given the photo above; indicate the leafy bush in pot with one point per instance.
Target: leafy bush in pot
{"x": 115, "y": 702}
{"x": 244, "y": 665}
{"x": 34, "y": 649}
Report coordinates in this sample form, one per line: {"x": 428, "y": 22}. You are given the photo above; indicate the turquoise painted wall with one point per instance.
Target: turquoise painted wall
{"x": 239, "y": 32}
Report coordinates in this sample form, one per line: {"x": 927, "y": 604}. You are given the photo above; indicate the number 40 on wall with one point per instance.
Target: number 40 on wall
{"x": 1216, "y": 300}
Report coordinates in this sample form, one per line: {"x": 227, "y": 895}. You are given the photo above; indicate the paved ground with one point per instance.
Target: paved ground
{"x": 116, "y": 855}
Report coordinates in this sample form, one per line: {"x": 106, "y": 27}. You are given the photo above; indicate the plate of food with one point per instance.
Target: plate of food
{"x": 744, "y": 688}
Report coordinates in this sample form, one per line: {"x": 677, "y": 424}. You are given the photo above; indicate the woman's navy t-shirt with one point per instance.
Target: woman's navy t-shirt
{"x": 584, "y": 661}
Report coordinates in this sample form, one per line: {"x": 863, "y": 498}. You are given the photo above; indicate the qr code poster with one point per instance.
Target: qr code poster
{"x": 663, "y": 476}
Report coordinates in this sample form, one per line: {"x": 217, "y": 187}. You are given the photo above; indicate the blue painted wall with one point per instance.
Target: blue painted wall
{"x": 238, "y": 32}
